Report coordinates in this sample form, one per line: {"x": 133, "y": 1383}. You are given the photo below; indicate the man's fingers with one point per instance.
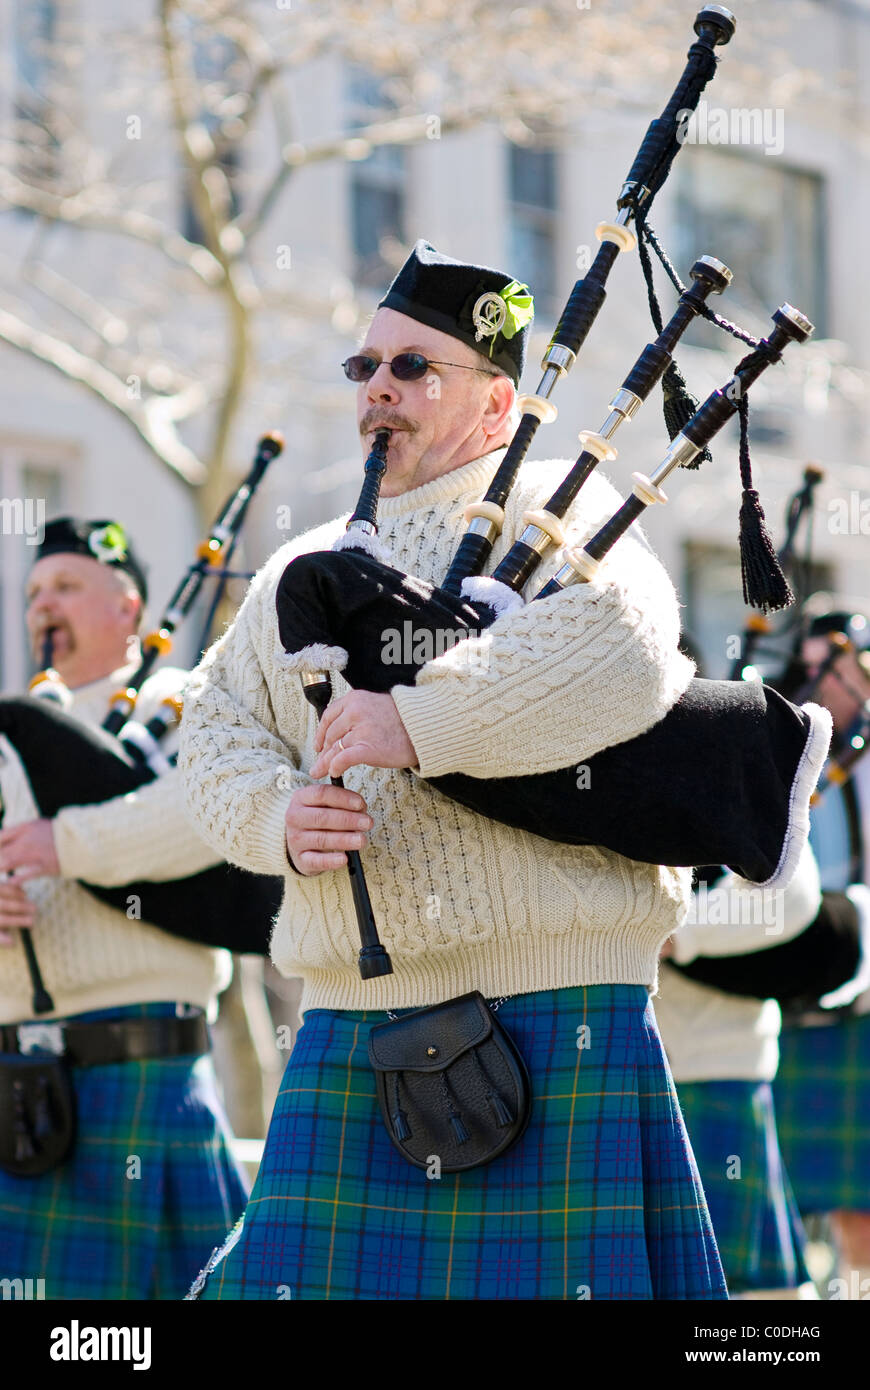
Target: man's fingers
{"x": 13, "y": 895}
{"x": 310, "y": 863}
{"x": 328, "y": 841}
{"x": 15, "y": 912}
{"x": 23, "y": 872}
{"x": 324, "y": 795}
{"x": 328, "y": 818}
{"x": 329, "y": 716}
{"x": 353, "y": 755}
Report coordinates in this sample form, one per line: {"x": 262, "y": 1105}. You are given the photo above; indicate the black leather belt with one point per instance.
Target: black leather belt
{"x": 119, "y": 1040}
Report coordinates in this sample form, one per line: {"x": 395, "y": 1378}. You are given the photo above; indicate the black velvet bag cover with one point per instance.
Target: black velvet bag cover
{"x": 722, "y": 778}
{"x": 37, "y": 1113}
{"x": 70, "y": 764}
{"x": 797, "y": 972}
{"x": 452, "y": 1085}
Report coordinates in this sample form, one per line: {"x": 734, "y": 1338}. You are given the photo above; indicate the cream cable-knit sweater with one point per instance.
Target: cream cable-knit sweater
{"x": 93, "y": 956}
{"x": 713, "y": 1036}
{"x": 461, "y": 902}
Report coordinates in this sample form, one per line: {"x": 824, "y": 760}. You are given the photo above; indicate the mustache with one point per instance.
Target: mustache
{"x": 377, "y": 419}
{"x": 40, "y": 634}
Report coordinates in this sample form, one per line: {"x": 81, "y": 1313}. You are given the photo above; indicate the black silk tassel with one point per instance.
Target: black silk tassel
{"x": 764, "y": 584}
{"x": 679, "y": 407}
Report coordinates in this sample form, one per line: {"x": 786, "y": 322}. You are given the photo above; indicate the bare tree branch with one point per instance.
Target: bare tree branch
{"x": 153, "y": 420}
{"x": 210, "y": 193}
{"x": 90, "y": 209}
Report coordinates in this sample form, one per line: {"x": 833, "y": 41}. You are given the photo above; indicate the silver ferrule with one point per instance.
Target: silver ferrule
{"x": 548, "y": 380}
{"x": 624, "y": 406}
{"x": 482, "y": 526}
{"x": 557, "y": 355}
{"x": 636, "y": 191}
{"x": 536, "y": 539}
{"x": 313, "y": 677}
{"x": 564, "y": 577}
{"x": 367, "y": 526}
{"x": 713, "y": 263}
{"x": 681, "y": 452}
{"x": 721, "y": 10}
{"x": 800, "y": 321}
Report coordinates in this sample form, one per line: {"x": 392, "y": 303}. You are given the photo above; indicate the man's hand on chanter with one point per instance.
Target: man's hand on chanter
{"x": 322, "y": 822}
{"x": 361, "y": 728}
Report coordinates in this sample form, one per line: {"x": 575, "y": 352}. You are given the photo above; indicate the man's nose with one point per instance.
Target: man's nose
{"x": 382, "y": 385}
{"x": 39, "y": 605}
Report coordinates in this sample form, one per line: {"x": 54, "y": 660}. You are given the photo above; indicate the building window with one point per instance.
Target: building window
{"x": 34, "y": 36}
{"x": 33, "y": 489}
{"x": 532, "y": 208}
{"x": 715, "y": 614}
{"x": 377, "y": 187}
{"x": 766, "y": 222}
{"x": 215, "y": 59}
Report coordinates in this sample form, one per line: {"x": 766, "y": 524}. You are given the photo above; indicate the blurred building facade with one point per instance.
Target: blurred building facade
{"x": 779, "y": 203}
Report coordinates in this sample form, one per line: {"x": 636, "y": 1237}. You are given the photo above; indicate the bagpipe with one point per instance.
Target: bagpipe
{"x": 68, "y": 763}
{"x": 726, "y": 776}
{"x": 831, "y": 952}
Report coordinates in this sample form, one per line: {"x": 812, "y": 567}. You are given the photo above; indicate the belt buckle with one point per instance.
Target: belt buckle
{"x": 41, "y": 1037}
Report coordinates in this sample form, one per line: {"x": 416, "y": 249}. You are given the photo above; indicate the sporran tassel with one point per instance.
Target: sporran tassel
{"x": 462, "y": 1135}
{"x": 500, "y": 1109}
{"x": 399, "y": 1116}
{"x": 400, "y": 1125}
{"x": 24, "y": 1149}
{"x": 42, "y": 1111}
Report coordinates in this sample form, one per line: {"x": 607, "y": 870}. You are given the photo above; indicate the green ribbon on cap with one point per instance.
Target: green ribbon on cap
{"x": 109, "y": 544}
{"x": 520, "y": 307}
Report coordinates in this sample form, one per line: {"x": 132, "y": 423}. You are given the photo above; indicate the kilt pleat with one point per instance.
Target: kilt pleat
{"x": 822, "y": 1093}
{"x": 150, "y": 1188}
{"x": 758, "y": 1230}
{"x": 600, "y": 1199}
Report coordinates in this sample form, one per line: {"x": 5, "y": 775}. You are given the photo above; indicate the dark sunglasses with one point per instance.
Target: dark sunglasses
{"x": 407, "y": 366}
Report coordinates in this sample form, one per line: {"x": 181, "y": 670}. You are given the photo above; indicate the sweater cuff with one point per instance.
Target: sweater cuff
{"x": 441, "y": 743}
{"x": 266, "y": 841}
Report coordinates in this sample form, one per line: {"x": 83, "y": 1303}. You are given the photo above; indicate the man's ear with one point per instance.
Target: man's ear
{"x": 133, "y": 607}
{"x": 496, "y": 416}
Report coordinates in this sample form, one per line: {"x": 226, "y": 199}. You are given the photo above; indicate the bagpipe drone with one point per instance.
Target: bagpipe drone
{"x": 70, "y": 764}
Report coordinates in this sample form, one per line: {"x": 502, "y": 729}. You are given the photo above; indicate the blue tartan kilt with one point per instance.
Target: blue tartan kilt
{"x": 599, "y": 1200}
{"x": 106, "y": 1226}
{"x": 822, "y": 1092}
{"x": 732, "y": 1127}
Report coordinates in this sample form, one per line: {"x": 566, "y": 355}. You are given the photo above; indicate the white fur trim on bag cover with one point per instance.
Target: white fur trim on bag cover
{"x": 357, "y": 539}
{"x": 317, "y": 657}
{"x": 482, "y": 588}
{"x": 808, "y": 771}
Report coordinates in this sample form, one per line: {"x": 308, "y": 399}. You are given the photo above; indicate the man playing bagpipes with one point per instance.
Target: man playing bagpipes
{"x": 821, "y": 1086}
{"x": 723, "y": 1052}
{"x": 115, "y": 1171}
{"x": 565, "y": 937}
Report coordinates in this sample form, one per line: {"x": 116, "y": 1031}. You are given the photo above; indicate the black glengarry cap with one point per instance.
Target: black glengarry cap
{"x": 482, "y": 307}
{"x": 105, "y": 541}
